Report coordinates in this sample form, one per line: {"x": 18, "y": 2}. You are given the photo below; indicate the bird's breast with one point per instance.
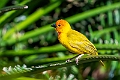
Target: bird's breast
{"x": 63, "y": 39}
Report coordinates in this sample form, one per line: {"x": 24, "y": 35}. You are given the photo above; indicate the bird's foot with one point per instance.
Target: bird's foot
{"x": 69, "y": 60}
{"x": 78, "y": 57}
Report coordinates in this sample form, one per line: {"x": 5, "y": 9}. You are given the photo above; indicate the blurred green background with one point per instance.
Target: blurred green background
{"x": 26, "y": 37}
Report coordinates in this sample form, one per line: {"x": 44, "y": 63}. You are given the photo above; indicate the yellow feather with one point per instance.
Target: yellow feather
{"x": 73, "y": 40}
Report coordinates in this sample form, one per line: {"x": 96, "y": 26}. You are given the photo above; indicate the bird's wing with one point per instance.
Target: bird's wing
{"x": 81, "y": 43}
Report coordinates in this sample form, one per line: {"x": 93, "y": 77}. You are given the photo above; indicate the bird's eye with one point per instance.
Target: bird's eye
{"x": 59, "y": 25}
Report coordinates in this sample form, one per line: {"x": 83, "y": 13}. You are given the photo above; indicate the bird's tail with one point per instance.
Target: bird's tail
{"x": 102, "y": 63}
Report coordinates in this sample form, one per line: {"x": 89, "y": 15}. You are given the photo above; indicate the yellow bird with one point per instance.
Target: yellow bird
{"x": 73, "y": 40}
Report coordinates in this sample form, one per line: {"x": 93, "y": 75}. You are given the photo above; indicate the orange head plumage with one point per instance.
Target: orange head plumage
{"x": 61, "y": 26}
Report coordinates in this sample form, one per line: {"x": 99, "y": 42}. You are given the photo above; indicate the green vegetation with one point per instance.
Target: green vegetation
{"x": 29, "y": 49}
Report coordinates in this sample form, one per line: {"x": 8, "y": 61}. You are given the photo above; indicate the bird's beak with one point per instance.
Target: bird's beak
{"x": 53, "y": 25}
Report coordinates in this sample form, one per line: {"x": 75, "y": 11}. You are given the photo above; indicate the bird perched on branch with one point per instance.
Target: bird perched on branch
{"x": 73, "y": 40}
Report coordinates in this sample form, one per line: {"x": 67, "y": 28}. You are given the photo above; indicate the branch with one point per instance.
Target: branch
{"x": 82, "y": 60}
{"x": 17, "y": 72}
{"x": 9, "y": 8}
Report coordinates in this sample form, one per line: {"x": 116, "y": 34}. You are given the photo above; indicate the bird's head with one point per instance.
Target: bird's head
{"x": 61, "y": 26}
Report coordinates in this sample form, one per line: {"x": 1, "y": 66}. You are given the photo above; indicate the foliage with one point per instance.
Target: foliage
{"x": 27, "y": 38}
